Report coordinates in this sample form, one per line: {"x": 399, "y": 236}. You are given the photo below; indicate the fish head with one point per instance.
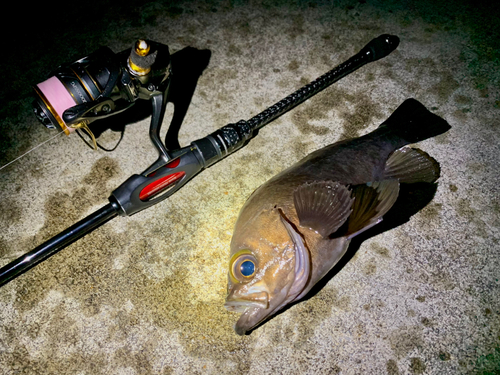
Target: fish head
{"x": 267, "y": 268}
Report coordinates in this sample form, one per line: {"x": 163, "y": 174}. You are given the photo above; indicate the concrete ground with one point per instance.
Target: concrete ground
{"x": 145, "y": 294}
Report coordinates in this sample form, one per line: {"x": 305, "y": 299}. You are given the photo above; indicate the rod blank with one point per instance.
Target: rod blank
{"x": 57, "y": 243}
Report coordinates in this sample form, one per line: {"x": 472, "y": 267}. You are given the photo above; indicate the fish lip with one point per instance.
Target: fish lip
{"x": 250, "y": 319}
{"x": 241, "y": 303}
{"x": 253, "y": 312}
{"x": 251, "y": 305}
{"x": 243, "y": 325}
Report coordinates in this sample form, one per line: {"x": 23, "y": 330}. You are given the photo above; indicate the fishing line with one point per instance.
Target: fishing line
{"x": 34, "y": 148}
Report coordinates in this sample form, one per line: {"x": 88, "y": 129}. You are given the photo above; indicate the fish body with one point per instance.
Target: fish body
{"x": 295, "y": 227}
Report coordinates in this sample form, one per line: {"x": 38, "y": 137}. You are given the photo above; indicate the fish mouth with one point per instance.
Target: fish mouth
{"x": 242, "y": 303}
{"x": 250, "y": 318}
{"x": 252, "y": 315}
{"x": 252, "y": 306}
{"x": 255, "y": 308}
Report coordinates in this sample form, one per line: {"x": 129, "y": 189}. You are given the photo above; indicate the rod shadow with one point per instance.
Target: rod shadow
{"x": 412, "y": 198}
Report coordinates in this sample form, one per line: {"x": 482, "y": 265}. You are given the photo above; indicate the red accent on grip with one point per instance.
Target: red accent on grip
{"x": 162, "y": 183}
{"x": 172, "y": 164}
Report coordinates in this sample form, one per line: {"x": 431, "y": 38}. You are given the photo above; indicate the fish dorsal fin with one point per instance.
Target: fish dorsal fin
{"x": 372, "y": 201}
{"x": 322, "y": 206}
{"x": 410, "y": 165}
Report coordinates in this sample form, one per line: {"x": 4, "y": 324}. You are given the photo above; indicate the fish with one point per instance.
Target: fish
{"x": 295, "y": 227}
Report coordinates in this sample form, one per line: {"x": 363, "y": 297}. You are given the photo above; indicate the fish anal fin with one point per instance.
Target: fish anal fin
{"x": 410, "y": 165}
{"x": 372, "y": 201}
{"x": 322, "y": 206}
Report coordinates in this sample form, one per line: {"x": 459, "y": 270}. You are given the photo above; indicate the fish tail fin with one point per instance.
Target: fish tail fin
{"x": 413, "y": 122}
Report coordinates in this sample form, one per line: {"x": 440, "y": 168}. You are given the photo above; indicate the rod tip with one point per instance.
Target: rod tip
{"x": 381, "y": 46}
{"x": 391, "y": 41}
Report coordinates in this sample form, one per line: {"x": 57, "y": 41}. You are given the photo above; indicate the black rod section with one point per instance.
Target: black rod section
{"x": 229, "y": 138}
{"x": 376, "y": 49}
{"x": 57, "y": 243}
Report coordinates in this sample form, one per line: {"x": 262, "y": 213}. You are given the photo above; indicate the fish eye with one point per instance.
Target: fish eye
{"x": 247, "y": 268}
{"x": 243, "y": 266}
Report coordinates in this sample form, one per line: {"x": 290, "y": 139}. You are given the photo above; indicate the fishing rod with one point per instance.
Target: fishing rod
{"x": 104, "y": 84}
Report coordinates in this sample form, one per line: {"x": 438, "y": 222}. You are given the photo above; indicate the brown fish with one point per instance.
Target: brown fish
{"x": 295, "y": 227}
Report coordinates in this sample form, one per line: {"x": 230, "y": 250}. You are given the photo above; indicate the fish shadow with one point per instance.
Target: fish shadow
{"x": 187, "y": 65}
{"x": 412, "y": 198}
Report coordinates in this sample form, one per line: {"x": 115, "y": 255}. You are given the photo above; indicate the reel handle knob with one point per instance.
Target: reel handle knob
{"x": 140, "y": 59}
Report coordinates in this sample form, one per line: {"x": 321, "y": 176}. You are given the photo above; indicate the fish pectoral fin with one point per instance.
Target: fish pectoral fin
{"x": 410, "y": 165}
{"x": 371, "y": 203}
{"x": 323, "y": 206}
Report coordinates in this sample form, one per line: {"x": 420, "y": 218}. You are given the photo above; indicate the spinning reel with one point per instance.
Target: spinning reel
{"x": 103, "y": 84}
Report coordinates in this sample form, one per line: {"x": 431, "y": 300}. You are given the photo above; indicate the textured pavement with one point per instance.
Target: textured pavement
{"x": 145, "y": 294}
